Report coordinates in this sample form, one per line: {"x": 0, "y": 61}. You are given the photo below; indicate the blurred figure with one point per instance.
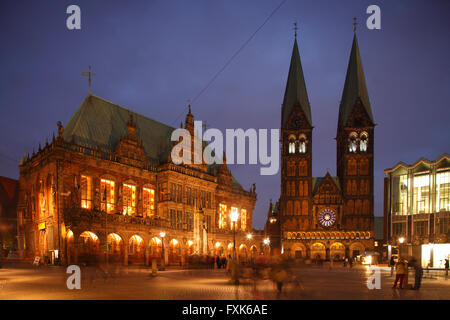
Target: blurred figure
{"x": 446, "y": 266}
{"x": 218, "y": 262}
{"x": 400, "y": 271}
{"x": 418, "y": 273}
{"x": 279, "y": 275}
{"x": 392, "y": 264}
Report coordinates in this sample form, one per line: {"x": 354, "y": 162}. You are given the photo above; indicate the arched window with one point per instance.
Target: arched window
{"x": 353, "y": 142}
{"x": 363, "y": 141}
{"x": 302, "y": 144}
{"x": 291, "y": 144}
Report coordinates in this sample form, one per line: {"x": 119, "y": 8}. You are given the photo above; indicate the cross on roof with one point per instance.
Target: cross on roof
{"x": 295, "y": 30}
{"x": 89, "y": 74}
{"x": 354, "y": 24}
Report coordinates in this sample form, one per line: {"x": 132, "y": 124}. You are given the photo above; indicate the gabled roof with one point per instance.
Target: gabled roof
{"x": 101, "y": 122}
{"x": 295, "y": 89}
{"x": 317, "y": 182}
{"x": 354, "y": 87}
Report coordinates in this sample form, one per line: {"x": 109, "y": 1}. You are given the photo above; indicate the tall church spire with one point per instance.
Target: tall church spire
{"x": 354, "y": 87}
{"x": 295, "y": 89}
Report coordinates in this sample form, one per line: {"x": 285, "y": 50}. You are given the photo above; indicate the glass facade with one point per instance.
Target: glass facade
{"x": 400, "y": 195}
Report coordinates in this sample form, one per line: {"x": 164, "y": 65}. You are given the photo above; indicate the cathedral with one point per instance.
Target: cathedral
{"x": 105, "y": 188}
{"x": 325, "y": 217}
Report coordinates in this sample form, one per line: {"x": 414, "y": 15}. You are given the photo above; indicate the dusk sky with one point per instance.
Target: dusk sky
{"x": 151, "y": 56}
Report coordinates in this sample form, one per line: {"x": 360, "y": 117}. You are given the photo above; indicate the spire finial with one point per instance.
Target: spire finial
{"x": 354, "y": 24}
{"x": 295, "y": 30}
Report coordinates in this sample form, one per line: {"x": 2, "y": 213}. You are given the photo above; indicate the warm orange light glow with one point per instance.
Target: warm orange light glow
{"x": 86, "y": 192}
{"x": 69, "y": 234}
{"x": 129, "y": 199}
{"x": 230, "y": 245}
{"x": 107, "y": 189}
{"x": 222, "y": 216}
{"x": 217, "y": 244}
{"x": 115, "y": 236}
{"x": 148, "y": 202}
{"x": 136, "y": 239}
{"x": 88, "y": 234}
{"x": 162, "y": 234}
{"x": 190, "y": 243}
{"x": 243, "y": 219}
{"x": 174, "y": 242}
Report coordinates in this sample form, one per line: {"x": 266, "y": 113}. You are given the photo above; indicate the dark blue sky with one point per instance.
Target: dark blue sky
{"x": 151, "y": 56}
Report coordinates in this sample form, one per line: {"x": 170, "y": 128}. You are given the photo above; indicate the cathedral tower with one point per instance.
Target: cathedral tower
{"x": 296, "y": 148}
{"x": 355, "y": 142}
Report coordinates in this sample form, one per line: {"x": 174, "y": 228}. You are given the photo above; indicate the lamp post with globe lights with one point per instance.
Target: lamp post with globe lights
{"x": 234, "y": 218}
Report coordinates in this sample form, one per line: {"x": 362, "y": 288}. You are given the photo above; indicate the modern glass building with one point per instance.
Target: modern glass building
{"x": 417, "y": 210}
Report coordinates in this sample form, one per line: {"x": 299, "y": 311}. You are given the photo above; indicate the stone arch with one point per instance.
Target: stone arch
{"x": 243, "y": 253}
{"x": 356, "y": 248}
{"x": 155, "y": 245}
{"x": 253, "y": 251}
{"x": 115, "y": 247}
{"x": 136, "y": 250}
{"x": 298, "y": 251}
{"x": 174, "y": 251}
{"x": 88, "y": 247}
{"x": 318, "y": 250}
{"x": 337, "y": 251}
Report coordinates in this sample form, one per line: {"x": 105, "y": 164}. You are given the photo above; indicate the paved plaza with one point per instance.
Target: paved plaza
{"x": 25, "y": 282}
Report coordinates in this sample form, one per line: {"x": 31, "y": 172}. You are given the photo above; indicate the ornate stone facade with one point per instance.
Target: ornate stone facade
{"x": 325, "y": 217}
{"x": 105, "y": 188}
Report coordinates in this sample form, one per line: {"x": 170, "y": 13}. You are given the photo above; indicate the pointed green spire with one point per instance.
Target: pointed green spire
{"x": 295, "y": 89}
{"x": 354, "y": 87}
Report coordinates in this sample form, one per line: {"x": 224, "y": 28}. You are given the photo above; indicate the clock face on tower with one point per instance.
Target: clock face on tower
{"x": 327, "y": 217}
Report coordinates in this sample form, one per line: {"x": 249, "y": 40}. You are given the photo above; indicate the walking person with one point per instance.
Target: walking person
{"x": 446, "y": 266}
{"x": 418, "y": 274}
{"x": 400, "y": 271}
{"x": 392, "y": 264}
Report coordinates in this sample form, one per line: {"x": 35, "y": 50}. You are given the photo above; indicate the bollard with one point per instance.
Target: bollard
{"x": 154, "y": 268}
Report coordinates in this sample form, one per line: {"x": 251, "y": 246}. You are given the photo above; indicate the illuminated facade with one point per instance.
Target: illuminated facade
{"x": 417, "y": 209}
{"x": 105, "y": 186}
{"x": 325, "y": 217}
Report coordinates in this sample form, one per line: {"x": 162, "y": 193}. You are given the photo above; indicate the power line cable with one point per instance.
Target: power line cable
{"x": 227, "y": 63}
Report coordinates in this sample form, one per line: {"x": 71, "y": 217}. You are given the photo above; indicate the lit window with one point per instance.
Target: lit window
{"x": 291, "y": 147}
{"x": 86, "y": 192}
{"x": 400, "y": 194}
{"x": 149, "y": 202}
{"x": 363, "y": 142}
{"x": 443, "y": 191}
{"x": 352, "y": 146}
{"x": 243, "y": 219}
{"x": 421, "y": 194}
{"x": 107, "y": 187}
{"x": 222, "y": 216}
{"x": 302, "y": 144}
{"x": 129, "y": 199}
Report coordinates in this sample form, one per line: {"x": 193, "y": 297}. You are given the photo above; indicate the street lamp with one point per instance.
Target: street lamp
{"x": 249, "y": 236}
{"x": 163, "y": 260}
{"x": 401, "y": 239}
{"x": 234, "y": 218}
{"x": 266, "y": 241}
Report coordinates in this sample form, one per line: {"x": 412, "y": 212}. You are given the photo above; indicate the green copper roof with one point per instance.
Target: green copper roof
{"x": 295, "y": 89}
{"x": 99, "y": 122}
{"x": 355, "y": 86}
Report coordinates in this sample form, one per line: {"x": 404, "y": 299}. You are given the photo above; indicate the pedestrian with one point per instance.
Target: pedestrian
{"x": 218, "y": 262}
{"x": 392, "y": 264}
{"x": 279, "y": 275}
{"x": 350, "y": 262}
{"x": 345, "y": 261}
{"x": 446, "y": 266}
{"x": 400, "y": 271}
{"x": 418, "y": 274}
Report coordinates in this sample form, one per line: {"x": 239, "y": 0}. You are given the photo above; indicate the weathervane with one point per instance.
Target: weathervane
{"x": 295, "y": 30}
{"x": 354, "y": 24}
{"x": 89, "y": 74}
